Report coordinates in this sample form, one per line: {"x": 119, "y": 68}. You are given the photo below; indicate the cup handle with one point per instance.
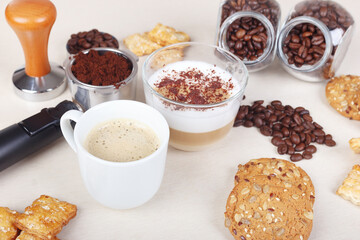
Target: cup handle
{"x": 66, "y": 127}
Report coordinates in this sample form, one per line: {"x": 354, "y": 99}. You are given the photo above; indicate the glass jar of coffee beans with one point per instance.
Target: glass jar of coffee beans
{"x": 314, "y": 40}
{"x": 248, "y": 29}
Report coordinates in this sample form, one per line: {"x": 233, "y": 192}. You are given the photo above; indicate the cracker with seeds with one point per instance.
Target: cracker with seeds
{"x": 8, "y": 231}
{"x": 264, "y": 206}
{"x": 46, "y": 217}
{"x": 343, "y": 94}
{"x": 165, "y": 35}
{"x": 140, "y": 44}
{"x": 350, "y": 189}
{"x": 26, "y": 236}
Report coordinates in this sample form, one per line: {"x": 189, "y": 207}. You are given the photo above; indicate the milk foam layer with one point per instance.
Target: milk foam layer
{"x": 122, "y": 140}
{"x": 191, "y": 119}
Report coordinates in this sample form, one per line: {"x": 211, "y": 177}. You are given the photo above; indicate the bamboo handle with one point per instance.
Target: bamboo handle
{"x": 32, "y": 21}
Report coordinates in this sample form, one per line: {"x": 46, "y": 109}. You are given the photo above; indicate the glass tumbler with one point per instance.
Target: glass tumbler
{"x": 194, "y": 126}
{"x": 249, "y": 29}
{"x": 314, "y": 40}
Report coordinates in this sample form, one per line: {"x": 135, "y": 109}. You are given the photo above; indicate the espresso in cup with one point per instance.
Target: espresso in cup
{"x": 122, "y": 140}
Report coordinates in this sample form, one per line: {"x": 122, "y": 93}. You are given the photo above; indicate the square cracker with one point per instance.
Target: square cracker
{"x": 26, "y": 236}
{"x": 140, "y": 44}
{"x": 8, "y": 231}
{"x": 165, "y": 35}
{"x": 46, "y": 217}
{"x": 350, "y": 189}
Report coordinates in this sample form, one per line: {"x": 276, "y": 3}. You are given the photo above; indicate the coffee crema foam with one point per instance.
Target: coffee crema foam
{"x": 122, "y": 140}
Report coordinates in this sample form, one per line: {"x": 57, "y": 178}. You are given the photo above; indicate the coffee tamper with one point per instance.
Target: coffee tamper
{"x": 32, "y": 21}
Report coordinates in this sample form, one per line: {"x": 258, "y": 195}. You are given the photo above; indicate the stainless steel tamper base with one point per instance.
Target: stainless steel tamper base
{"x": 40, "y": 88}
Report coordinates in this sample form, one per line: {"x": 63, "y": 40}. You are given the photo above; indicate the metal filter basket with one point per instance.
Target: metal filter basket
{"x": 87, "y": 96}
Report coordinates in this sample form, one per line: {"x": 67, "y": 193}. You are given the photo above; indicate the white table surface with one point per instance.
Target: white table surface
{"x": 192, "y": 197}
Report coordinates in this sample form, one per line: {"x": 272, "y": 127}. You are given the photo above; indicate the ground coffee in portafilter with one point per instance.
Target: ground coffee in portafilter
{"x": 292, "y": 129}
{"x": 247, "y": 37}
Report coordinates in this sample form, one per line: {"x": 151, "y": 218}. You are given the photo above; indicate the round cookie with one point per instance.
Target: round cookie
{"x": 343, "y": 94}
{"x": 265, "y": 206}
{"x": 289, "y": 174}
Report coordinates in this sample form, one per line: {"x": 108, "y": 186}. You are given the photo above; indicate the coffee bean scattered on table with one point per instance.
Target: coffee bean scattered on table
{"x": 293, "y": 130}
{"x": 91, "y": 39}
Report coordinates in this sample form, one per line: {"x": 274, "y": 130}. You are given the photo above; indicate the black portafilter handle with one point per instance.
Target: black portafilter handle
{"x": 30, "y": 135}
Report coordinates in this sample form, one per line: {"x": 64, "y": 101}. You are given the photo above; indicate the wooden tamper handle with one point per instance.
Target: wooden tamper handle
{"x": 32, "y": 21}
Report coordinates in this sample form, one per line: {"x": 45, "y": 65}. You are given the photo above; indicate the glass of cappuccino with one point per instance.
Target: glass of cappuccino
{"x": 198, "y": 88}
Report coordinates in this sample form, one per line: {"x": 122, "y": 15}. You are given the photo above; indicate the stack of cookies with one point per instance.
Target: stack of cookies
{"x": 272, "y": 199}
{"x": 44, "y": 219}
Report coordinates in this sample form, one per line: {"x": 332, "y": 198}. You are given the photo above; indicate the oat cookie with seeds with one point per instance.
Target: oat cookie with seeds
{"x": 289, "y": 174}
{"x": 46, "y": 217}
{"x": 8, "y": 231}
{"x": 266, "y": 207}
{"x": 350, "y": 189}
{"x": 343, "y": 94}
{"x": 26, "y": 236}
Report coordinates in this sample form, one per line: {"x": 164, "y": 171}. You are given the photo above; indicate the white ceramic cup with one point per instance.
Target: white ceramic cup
{"x": 118, "y": 185}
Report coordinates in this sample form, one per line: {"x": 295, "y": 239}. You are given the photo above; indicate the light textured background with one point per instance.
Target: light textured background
{"x": 191, "y": 200}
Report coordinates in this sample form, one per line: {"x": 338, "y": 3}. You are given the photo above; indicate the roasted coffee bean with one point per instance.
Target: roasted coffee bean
{"x": 258, "y": 122}
{"x": 295, "y": 139}
{"x": 300, "y": 147}
{"x": 288, "y": 142}
{"x": 285, "y": 131}
{"x": 307, "y": 155}
{"x": 320, "y": 140}
{"x": 311, "y": 148}
{"x": 93, "y": 38}
{"x": 291, "y": 150}
{"x": 248, "y": 124}
{"x": 296, "y": 157}
{"x": 238, "y": 123}
{"x": 277, "y": 141}
{"x": 276, "y": 102}
{"x": 330, "y": 143}
{"x": 277, "y": 134}
{"x": 282, "y": 149}
{"x": 328, "y": 137}
{"x": 297, "y": 118}
{"x": 319, "y": 133}
{"x": 266, "y": 131}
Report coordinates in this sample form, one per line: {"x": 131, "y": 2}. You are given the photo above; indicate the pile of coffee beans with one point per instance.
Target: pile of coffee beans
{"x": 247, "y": 37}
{"x": 333, "y": 16}
{"x": 91, "y": 39}
{"x": 292, "y": 129}
{"x": 305, "y": 44}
